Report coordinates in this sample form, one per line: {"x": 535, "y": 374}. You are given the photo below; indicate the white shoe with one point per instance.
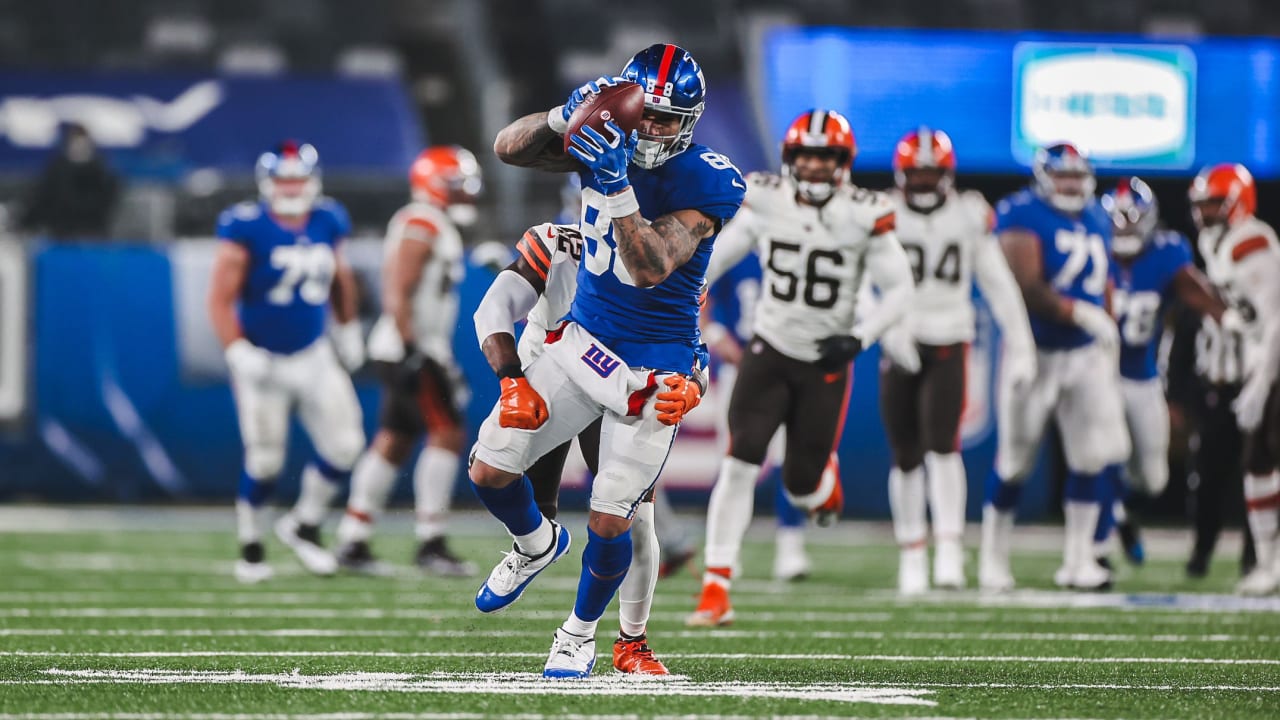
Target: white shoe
{"x": 948, "y": 565}
{"x": 509, "y": 578}
{"x": 311, "y": 554}
{"x": 1089, "y": 576}
{"x": 253, "y": 573}
{"x": 1261, "y": 581}
{"x": 1063, "y": 576}
{"x": 994, "y": 574}
{"x": 913, "y": 572}
{"x": 790, "y": 561}
{"x": 571, "y": 658}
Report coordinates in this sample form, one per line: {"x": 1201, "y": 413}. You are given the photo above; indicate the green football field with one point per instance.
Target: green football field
{"x": 134, "y": 614}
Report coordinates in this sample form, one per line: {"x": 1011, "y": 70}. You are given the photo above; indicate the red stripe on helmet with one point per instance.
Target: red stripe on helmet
{"x": 664, "y": 67}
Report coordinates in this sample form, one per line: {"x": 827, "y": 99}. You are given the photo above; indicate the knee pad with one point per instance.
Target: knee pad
{"x": 342, "y": 450}
{"x": 263, "y": 462}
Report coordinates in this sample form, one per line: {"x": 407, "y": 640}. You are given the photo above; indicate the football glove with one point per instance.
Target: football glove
{"x": 607, "y": 159}
{"x": 1250, "y": 404}
{"x": 1097, "y": 322}
{"x": 590, "y": 88}
{"x": 835, "y": 352}
{"x": 1017, "y": 368}
{"x": 348, "y": 344}
{"x": 899, "y": 347}
{"x": 674, "y": 403}
{"x": 520, "y": 406}
{"x": 247, "y": 362}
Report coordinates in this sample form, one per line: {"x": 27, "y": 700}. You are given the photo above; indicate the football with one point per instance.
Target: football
{"x": 622, "y": 103}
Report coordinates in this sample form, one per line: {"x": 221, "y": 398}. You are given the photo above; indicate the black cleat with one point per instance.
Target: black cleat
{"x": 1131, "y": 539}
{"x": 357, "y": 558}
{"x": 1198, "y": 566}
{"x": 435, "y": 557}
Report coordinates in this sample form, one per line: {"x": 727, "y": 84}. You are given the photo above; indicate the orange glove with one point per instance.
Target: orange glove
{"x": 683, "y": 396}
{"x": 520, "y": 406}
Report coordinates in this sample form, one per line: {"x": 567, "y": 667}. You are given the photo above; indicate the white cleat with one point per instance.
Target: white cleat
{"x": 509, "y": 578}
{"x": 1088, "y": 576}
{"x": 572, "y": 656}
{"x": 1260, "y": 581}
{"x": 994, "y": 575}
{"x": 913, "y": 572}
{"x": 948, "y": 565}
{"x": 311, "y": 554}
{"x": 790, "y": 561}
{"x": 253, "y": 573}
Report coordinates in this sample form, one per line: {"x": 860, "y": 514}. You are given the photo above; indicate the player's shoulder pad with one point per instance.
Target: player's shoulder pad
{"x": 977, "y": 209}
{"x": 717, "y": 187}
{"x": 231, "y": 221}
{"x": 1098, "y": 216}
{"x": 872, "y": 210}
{"x": 337, "y": 214}
{"x": 1252, "y": 237}
{"x": 1015, "y": 211}
{"x": 765, "y": 191}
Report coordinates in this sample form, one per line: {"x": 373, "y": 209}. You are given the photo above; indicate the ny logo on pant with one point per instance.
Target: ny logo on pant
{"x": 600, "y": 361}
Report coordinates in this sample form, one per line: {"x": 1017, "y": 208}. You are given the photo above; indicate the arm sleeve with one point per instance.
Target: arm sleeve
{"x": 732, "y": 244}
{"x": 1258, "y": 272}
{"x": 998, "y": 286}
{"x": 508, "y": 300}
{"x": 890, "y": 271}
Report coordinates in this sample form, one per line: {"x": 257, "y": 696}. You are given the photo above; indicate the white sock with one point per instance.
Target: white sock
{"x": 1261, "y": 492}
{"x": 789, "y": 541}
{"x": 577, "y": 626}
{"x": 635, "y": 597}
{"x": 906, "y": 501}
{"x": 948, "y": 489}
{"x": 997, "y": 536}
{"x": 250, "y": 522}
{"x": 1081, "y": 522}
{"x": 538, "y": 541}
{"x": 371, "y": 484}
{"x": 729, "y": 511}
{"x": 315, "y": 497}
{"x": 433, "y": 478}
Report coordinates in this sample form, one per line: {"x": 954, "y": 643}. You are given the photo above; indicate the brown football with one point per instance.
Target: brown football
{"x": 622, "y": 103}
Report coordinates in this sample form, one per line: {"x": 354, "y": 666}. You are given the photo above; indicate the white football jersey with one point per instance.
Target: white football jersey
{"x": 435, "y": 300}
{"x": 813, "y": 258}
{"x": 558, "y": 248}
{"x": 1243, "y": 262}
{"x": 942, "y": 246}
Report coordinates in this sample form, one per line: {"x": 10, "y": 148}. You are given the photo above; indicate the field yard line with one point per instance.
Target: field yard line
{"x": 401, "y": 716}
{"x": 680, "y": 634}
{"x": 701, "y": 656}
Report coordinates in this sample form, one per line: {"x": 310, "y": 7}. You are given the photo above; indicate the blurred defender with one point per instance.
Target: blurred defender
{"x": 1057, "y": 239}
{"x": 947, "y": 236}
{"x": 277, "y": 270}
{"x": 817, "y": 235}
{"x": 411, "y": 347}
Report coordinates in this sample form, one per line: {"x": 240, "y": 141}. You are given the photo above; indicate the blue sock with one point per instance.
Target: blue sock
{"x": 1081, "y": 487}
{"x": 513, "y": 505}
{"x": 252, "y": 491}
{"x": 604, "y": 567}
{"x": 1003, "y": 495}
{"x": 1106, "y": 517}
{"x": 329, "y": 472}
{"x": 788, "y": 515}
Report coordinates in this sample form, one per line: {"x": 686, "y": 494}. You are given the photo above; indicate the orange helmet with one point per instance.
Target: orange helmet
{"x": 820, "y": 130}
{"x": 924, "y": 149}
{"x": 1230, "y": 184}
{"x": 447, "y": 176}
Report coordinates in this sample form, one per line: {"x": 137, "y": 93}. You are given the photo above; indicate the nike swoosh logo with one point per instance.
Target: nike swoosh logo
{"x": 738, "y": 184}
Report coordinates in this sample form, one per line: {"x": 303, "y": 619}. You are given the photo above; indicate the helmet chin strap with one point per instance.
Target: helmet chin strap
{"x": 815, "y": 191}
{"x": 924, "y": 200}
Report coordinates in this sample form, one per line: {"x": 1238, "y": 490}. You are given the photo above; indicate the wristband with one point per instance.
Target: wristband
{"x": 556, "y": 120}
{"x": 622, "y": 204}
{"x": 510, "y": 370}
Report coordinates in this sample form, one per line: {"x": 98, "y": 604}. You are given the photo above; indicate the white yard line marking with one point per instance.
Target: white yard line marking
{"x": 403, "y": 716}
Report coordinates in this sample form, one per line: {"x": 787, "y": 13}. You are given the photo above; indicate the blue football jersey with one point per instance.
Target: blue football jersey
{"x": 733, "y": 297}
{"x": 1144, "y": 288}
{"x": 653, "y": 327}
{"x": 1075, "y": 249}
{"x": 285, "y": 300}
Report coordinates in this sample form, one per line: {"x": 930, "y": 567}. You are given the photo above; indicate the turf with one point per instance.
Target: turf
{"x": 136, "y": 616}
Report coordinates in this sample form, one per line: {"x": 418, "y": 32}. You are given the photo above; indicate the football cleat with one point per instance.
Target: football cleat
{"x": 304, "y": 540}
{"x": 357, "y": 558}
{"x": 1259, "y": 581}
{"x": 634, "y": 657}
{"x": 948, "y": 565}
{"x": 674, "y": 561}
{"x": 913, "y": 571}
{"x": 509, "y": 578}
{"x": 435, "y": 557}
{"x": 1131, "y": 539}
{"x": 572, "y": 656}
{"x": 251, "y": 573}
{"x": 1089, "y": 576}
{"x": 790, "y": 561}
{"x": 713, "y": 609}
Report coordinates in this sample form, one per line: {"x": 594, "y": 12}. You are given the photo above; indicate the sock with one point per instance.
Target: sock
{"x": 604, "y": 567}
{"x": 997, "y": 534}
{"x": 1080, "y": 509}
{"x": 789, "y": 541}
{"x": 789, "y": 516}
{"x": 1001, "y": 493}
{"x": 320, "y": 484}
{"x": 250, "y": 499}
{"x": 635, "y": 597}
{"x": 671, "y": 532}
{"x": 513, "y": 506}
{"x": 433, "y": 479}
{"x": 948, "y": 491}
{"x": 371, "y": 483}
{"x": 1262, "y": 501}
{"x": 729, "y": 511}
{"x": 907, "y": 504}
{"x": 1107, "y": 500}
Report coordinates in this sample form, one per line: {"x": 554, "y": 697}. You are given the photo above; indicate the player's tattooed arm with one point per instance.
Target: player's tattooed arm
{"x": 652, "y": 251}
{"x": 344, "y": 294}
{"x": 1195, "y": 291}
{"x": 230, "y": 268}
{"x": 1022, "y": 250}
{"x": 530, "y": 142}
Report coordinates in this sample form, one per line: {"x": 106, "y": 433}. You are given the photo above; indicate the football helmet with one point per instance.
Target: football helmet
{"x": 447, "y": 176}
{"x": 289, "y": 178}
{"x": 1064, "y": 177}
{"x": 1222, "y": 194}
{"x": 825, "y": 131}
{"x": 924, "y": 167}
{"x": 1134, "y": 214}
{"x": 673, "y": 84}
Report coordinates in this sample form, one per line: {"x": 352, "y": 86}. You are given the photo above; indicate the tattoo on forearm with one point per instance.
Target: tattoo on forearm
{"x": 529, "y": 142}
{"x": 654, "y": 250}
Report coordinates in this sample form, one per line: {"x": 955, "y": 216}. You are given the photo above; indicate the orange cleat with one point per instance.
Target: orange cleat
{"x": 635, "y": 658}
{"x": 714, "y": 609}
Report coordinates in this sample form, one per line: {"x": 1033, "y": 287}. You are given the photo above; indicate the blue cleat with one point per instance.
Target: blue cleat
{"x": 572, "y": 656}
{"x": 510, "y": 577}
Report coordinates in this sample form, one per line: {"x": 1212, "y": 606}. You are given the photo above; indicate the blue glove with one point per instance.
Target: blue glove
{"x": 590, "y": 88}
{"x": 608, "y": 159}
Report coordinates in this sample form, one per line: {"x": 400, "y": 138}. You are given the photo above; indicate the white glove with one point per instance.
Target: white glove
{"x": 247, "y": 362}
{"x": 1232, "y": 321}
{"x": 348, "y": 343}
{"x": 1017, "y": 368}
{"x": 899, "y": 347}
{"x": 1251, "y": 402}
{"x": 1098, "y": 323}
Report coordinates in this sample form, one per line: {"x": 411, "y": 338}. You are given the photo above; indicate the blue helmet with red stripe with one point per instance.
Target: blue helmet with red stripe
{"x": 673, "y": 84}
{"x": 289, "y": 178}
{"x": 1064, "y": 176}
{"x": 1134, "y": 214}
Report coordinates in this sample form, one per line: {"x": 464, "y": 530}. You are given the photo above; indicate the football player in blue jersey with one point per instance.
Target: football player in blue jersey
{"x": 277, "y": 270}
{"x": 1057, "y": 239}
{"x": 1151, "y": 267}
{"x": 652, "y": 204}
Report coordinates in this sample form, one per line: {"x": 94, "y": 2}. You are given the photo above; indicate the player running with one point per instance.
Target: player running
{"x": 276, "y": 271}
{"x": 948, "y": 238}
{"x": 1057, "y": 239}
{"x": 1242, "y": 258}
{"x": 817, "y": 236}
{"x": 651, "y": 207}
{"x": 411, "y": 348}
